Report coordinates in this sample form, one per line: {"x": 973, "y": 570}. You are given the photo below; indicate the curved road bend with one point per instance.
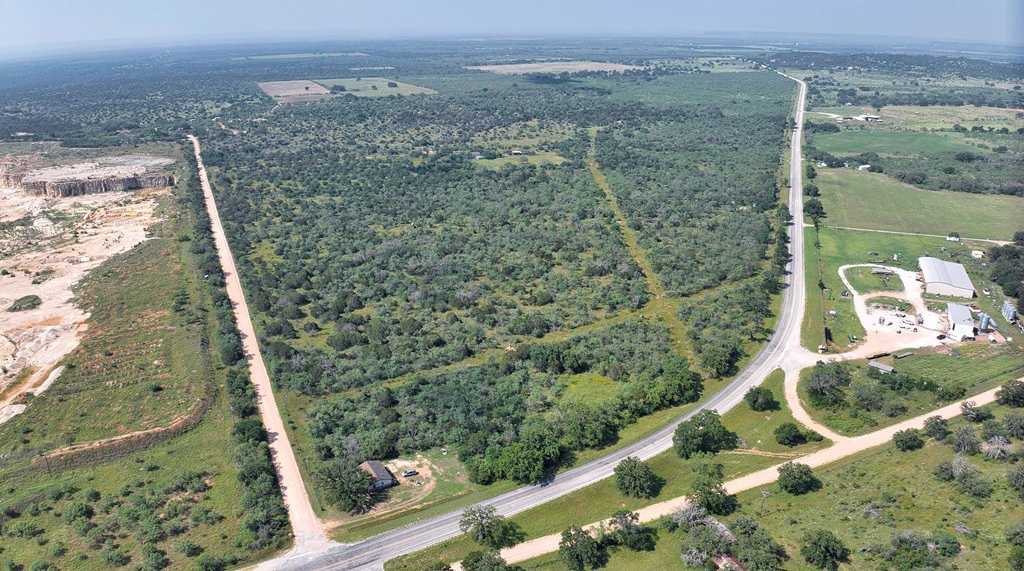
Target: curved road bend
{"x": 309, "y": 534}
{"x": 371, "y": 553}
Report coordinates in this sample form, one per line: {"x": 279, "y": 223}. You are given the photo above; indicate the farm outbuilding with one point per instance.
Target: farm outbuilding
{"x": 945, "y": 278}
{"x": 961, "y": 322}
{"x": 1009, "y": 311}
{"x": 881, "y": 367}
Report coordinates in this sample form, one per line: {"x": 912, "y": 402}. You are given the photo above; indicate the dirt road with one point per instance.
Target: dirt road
{"x": 309, "y": 534}
{"x": 847, "y": 447}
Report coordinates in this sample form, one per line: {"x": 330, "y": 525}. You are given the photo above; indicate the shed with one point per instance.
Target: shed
{"x": 379, "y": 473}
{"x": 945, "y": 278}
{"x": 1008, "y": 310}
{"x": 961, "y": 322}
{"x": 882, "y": 367}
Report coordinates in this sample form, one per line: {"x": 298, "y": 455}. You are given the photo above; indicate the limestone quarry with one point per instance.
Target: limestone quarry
{"x": 104, "y": 174}
{"x": 57, "y": 223}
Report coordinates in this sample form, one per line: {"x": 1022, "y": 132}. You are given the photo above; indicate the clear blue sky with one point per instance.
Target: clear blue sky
{"x": 38, "y": 24}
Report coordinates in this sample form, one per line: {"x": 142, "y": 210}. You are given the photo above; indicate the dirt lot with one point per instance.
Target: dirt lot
{"x": 294, "y": 91}
{"x": 554, "y": 67}
{"x": 46, "y": 246}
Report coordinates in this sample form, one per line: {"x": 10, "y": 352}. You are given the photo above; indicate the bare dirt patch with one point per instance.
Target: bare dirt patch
{"x": 554, "y": 67}
{"x": 47, "y": 245}
{"x": 294, "y": 91}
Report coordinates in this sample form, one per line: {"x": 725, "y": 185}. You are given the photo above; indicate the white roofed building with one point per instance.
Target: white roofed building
{"x": 945, "y": 278}
{"x": 961, "y": 322}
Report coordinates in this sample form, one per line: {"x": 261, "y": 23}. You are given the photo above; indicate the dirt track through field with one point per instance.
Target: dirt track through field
{"x": 309, "y": 534}
{"x": 899, "y": 233}
{"x": 847, "y": 447}
{"x": 660, "y": 303}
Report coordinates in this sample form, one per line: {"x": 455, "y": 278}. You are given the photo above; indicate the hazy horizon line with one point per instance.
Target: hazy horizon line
{"x": 27, "y": 52}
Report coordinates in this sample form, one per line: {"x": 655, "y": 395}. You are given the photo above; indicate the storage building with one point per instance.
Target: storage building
{"x": 1009, "y": 311}
{"x": 945, "y": 278}
{"x": 961, "y": 322}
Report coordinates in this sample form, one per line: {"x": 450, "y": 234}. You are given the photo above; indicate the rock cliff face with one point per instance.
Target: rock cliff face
{"x": 10, "y": 180}
{"x": 87, "y": 186}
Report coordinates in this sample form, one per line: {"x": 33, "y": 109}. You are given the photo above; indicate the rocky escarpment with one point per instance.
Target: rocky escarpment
{"x": 10, "y": 180}
{"x": 102, "y": 174}
{"x": 90, "y": 186}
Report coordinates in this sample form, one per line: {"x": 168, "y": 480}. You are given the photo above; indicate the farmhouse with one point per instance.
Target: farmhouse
{"x": 382, "y": 477}
{"x": 961, "y": 322}
{"x": 945, "y": 278}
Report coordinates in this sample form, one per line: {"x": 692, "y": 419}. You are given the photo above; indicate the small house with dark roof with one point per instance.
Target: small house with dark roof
{"x": 379, "y": 473}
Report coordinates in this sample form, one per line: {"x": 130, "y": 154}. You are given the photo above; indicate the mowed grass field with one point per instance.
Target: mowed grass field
{"x": 757, "y": 429}
{"x": 864, "y": 281}
{"x": 853, "y": 141}
{"x": 858, "y": 199}
{"x": 374, "y": 86}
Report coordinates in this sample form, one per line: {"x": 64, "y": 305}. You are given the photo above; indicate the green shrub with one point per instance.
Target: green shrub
{"x": 907, "y": 440}
{"x": 25, "y": 303}
{"x": 797, "y": 478}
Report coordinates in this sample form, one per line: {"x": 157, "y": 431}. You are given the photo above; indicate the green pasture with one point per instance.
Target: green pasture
{"x": 857, "y": 199}
{"x": 865, "y": 499}
{"x": 864, "y": 281}
{"x": 856, "y": 140}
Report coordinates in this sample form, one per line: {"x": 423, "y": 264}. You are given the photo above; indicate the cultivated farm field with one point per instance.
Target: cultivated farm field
{"x": 553, "y": 67}
{"x": 935, "y": 117}
{"x": 373, "y": 87}
{"x": 295, "y": 90}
